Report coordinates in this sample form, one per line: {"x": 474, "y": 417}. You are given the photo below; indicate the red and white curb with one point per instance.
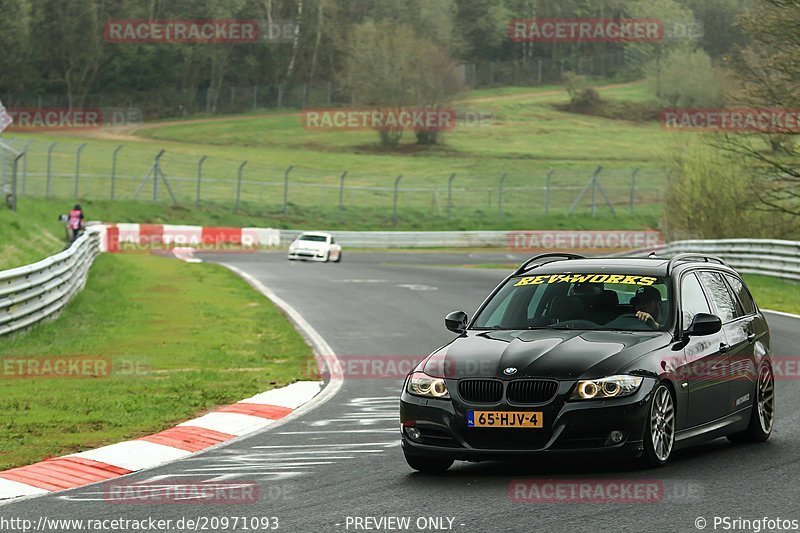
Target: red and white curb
{"x": 224, "y": 424}
{"x": 116, "y": 235}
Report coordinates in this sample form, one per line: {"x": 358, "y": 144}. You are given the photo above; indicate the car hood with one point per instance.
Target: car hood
{"x": 562, "y": 354}
{"x": 310, "y": 245}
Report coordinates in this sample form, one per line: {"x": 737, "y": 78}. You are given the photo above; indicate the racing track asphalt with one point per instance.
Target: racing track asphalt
{"x": 343, "y": 459}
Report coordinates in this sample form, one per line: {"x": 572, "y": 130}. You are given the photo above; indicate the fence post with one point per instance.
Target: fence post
{"x": 394, "y": 211}
{"x": 500, "y": 195}
{"x": 25, "y": 166}
{"x": 633, "y": 188}
{"x": 547, "y": 192}
{"x": 239, "y": 184}
{"x": 280, "y": 96}
{"x": 78, "y": 167}
{"x": 329, "y": 93}
{"x": 286, "y": 190}
{"x": 156, "y": 170}
{"x": 450, "y": 194}
{"x": 255, "y": 96}
{"x": 540, "y": 71}
{"x": 49, "y": 160}
{"x": 114, "y": 170}
{"x": 199, "y": 179}
{"x": 341, "y": 194}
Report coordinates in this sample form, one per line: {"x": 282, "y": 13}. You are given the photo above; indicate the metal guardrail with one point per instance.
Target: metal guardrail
{"x": 776, "y": 258}
{"x": 31, "y": 293}
{"x": 411, "y": 239}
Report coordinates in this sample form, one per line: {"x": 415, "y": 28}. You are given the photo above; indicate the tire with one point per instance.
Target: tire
{"x": 659, "y": 435}
{"x": 762, "y": 414}
{"x": 338, "y": 258}
{"x": 428, "y": 465}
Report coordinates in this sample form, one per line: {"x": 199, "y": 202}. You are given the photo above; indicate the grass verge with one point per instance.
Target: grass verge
{"x": 773, "y": 293}
{"x": 182, "y": 338}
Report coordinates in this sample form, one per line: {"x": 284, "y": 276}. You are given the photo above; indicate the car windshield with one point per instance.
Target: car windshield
{"x": 312, "y": 238}
{"x": 586, "y": 301}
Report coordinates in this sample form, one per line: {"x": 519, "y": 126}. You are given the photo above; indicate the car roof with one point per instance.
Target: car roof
{"x": 318, "y": 233}
{"x": 656, "y": 266}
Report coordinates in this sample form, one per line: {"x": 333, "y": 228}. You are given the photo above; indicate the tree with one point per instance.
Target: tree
{"x": 687, "y": 79}
{"x": 389, "y": 67}
{"x": 767, "y": 72}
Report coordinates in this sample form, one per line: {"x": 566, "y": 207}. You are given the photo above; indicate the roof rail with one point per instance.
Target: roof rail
{"x": 528, "y": 265}
{"x": 687, "y": 256}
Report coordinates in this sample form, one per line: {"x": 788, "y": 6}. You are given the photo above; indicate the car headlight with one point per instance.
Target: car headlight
{"x": 610, "y": 387}
{"x": 421, "y": 384}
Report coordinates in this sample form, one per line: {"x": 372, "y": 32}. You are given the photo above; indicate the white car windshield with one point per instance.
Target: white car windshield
{"x": 313, "y": 238}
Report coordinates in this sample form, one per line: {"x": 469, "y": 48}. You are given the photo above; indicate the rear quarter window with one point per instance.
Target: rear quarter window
{"x": 742, "y": 293}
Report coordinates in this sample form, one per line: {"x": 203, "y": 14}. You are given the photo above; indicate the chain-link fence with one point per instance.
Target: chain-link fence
{"x": 136, "y": 171}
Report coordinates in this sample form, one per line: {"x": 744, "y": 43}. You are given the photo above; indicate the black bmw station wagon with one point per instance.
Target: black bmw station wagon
{"x": 574, "y": 355}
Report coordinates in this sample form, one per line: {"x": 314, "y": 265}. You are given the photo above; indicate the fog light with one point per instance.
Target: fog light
{"x": 616, "y": 437}
{"x": 413, "y": 433}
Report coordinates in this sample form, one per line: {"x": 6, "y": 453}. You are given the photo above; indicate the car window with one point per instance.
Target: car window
{"x": 721, "y": 296}
{"x": 313, "y": 238}
{"x": 693, "y": 299}
{"x": 741, "y": 292}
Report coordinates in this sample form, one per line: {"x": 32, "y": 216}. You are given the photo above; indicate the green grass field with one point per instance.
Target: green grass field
{"x": 528, "y": 139}
{"x": 213, "y": 340}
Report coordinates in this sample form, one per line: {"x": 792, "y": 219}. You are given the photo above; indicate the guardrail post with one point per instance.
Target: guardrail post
{"x": 199, "y": 179}
{"x": 286, "y": 190}
{"x": 547, "y": 192}
{"x": 341, "y": 194}
{"x": 239, "y": 184}
{"x": 114, "y": 170}
{"x": 49, "y": 164}
{"x": 78, "y": 167}
{"x": 633, "y": 188}
{"x": 450, "y": 194}
{"x": 394, "y": 211}
{"x": 500, "y": 195}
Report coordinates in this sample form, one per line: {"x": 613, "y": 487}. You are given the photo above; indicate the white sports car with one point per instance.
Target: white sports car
{"x": 315, "y": 247}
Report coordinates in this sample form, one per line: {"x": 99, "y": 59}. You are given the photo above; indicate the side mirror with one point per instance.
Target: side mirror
{"x": 704, "y": 324}
{"x": 456, "y": 321}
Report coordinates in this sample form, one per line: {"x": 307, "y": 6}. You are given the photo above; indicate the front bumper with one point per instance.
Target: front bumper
{"x": 569, "y": 426}
{"x": 308, "y": 255}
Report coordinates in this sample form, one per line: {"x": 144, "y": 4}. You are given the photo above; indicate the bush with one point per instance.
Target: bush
{"x": 583, "y": 98}
{"x": 711, "y": 196}
{"x": 686, "y": 78}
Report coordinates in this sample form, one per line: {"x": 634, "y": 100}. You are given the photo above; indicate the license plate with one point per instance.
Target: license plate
{"x": 505, "y": 419}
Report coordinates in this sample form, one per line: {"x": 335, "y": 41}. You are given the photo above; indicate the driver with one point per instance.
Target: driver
{"x": 647, "y": 304}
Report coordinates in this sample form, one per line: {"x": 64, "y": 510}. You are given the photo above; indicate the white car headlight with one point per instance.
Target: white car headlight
{"x": 610, "y": 387}
{"x": 421, "y": 384}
